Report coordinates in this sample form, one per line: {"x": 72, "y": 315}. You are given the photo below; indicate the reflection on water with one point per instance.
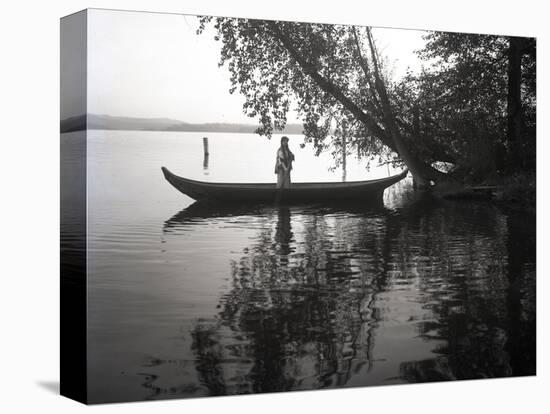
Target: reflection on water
{"x": 329, "y": 297}
{"x": 217, "y": 300}
{"x": 205, "y": 163}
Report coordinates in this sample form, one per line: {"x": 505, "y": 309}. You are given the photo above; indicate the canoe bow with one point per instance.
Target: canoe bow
{"x": 323, "y": 191}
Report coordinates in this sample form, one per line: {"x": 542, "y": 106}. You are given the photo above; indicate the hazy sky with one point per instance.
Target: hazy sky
{"x": 155, "y": 65}
{"x": 73, "y": 65}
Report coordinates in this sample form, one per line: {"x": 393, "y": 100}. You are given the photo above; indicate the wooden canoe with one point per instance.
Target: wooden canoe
{"x": 298, "y": 192}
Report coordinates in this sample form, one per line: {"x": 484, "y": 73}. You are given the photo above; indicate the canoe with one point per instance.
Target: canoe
{"x": 268, "y": 192}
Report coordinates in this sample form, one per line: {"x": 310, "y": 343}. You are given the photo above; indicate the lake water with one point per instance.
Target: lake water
{"x": 187, "y": 300}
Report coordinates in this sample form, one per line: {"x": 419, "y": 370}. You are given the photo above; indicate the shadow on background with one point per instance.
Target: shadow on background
{"x": 51, "y": 386}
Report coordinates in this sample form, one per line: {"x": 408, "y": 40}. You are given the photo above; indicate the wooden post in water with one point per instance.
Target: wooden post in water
{"x": 344, "y": 149}
{"x": 206, "y": 155}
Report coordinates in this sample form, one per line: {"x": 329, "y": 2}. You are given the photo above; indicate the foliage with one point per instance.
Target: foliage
{"x": 454, "y": 111}
{"x": 266, "y": 73}
{"x": 462, "y": 97}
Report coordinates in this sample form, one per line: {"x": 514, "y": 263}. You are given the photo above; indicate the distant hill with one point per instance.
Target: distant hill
{"x": 75, "y": 123}
{"x": 78, "y": 123}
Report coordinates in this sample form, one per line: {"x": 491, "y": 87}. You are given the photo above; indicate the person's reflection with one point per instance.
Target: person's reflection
{"x": 283, "y": 235}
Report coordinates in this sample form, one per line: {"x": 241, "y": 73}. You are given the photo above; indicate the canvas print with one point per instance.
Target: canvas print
{"x": 253, "y": 206}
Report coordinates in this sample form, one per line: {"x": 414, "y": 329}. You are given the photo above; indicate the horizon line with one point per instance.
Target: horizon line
{"x": 167, "y": 118}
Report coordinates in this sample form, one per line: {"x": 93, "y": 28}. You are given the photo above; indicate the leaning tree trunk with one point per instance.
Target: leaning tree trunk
{"x": 390, "y": 135}
{"x": 422, "y": 172}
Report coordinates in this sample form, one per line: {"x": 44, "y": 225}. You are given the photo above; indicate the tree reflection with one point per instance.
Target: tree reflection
{"x": 301, "y": 307}
{"x": 308, "y": 298}
{"x": 484, "y": 306}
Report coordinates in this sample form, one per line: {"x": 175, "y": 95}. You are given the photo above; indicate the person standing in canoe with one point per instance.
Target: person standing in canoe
{"x": 283, "y": 164}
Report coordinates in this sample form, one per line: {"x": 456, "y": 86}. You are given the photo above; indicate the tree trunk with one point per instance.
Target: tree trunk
{"x": 422, "y": 172}
{"x": 515, "y": 109}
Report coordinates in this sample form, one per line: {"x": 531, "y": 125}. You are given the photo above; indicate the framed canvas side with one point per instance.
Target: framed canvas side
{"x": 73, "y": 191}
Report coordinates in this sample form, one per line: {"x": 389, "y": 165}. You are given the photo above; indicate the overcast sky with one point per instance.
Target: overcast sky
{"x": 155, "y": 65}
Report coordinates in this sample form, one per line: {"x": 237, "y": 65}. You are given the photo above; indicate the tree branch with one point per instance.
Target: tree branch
{"x": 330, "y": 88}
{"x": 364, "y": 65}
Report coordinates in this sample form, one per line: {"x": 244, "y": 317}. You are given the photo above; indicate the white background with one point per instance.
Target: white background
{"x": 29, "y": 219}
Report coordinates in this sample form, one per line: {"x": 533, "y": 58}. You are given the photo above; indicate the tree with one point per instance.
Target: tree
{"x": 329, "y": 72}
{"x": 517, "y": 48}
{"x": 478, "y": 97}
{"x": 325, "y": 70}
